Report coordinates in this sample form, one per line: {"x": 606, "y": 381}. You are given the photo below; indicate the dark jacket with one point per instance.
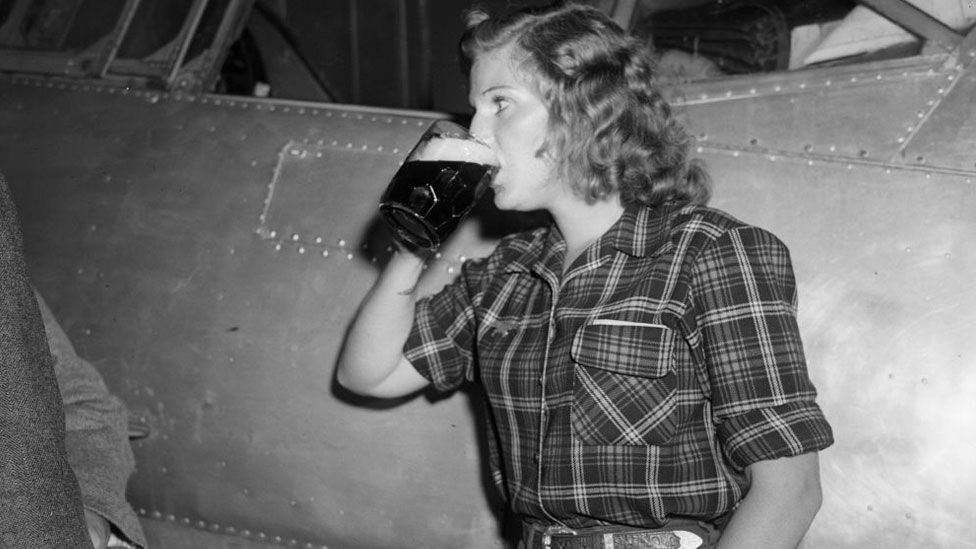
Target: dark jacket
{"x": 40, "y": 502}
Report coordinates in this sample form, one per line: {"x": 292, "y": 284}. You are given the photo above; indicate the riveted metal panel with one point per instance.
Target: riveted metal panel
{"x": 884, "y": 260}
{"x": 815, "y": 111}
{"x": 216, "y": 308}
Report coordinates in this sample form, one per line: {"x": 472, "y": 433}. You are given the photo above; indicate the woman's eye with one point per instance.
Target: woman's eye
{"x": 500, "y": 103}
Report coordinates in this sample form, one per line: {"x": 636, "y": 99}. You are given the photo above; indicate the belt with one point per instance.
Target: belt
{"x": 680, "y": 534}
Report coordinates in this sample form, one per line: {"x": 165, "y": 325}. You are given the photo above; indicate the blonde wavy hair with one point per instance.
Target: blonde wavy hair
{"x": 608, "y": 121}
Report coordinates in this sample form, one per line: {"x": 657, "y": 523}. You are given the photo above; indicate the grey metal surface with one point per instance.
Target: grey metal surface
{"x": 207, "y": 254}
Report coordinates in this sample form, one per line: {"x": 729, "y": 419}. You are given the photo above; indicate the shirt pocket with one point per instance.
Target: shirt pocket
{"x": 625, "y": 383}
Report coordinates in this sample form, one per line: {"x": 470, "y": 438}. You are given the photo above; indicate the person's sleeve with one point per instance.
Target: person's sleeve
{"x": 441, "y": 342}
{"x": 40, "y": 505}
{"x": 763, "y": 400}
{"x": 96, "y": 437}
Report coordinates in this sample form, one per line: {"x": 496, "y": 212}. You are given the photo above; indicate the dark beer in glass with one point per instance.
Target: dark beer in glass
{"x": 440, "y": 181}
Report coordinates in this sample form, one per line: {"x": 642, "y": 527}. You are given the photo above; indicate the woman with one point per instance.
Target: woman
{"x": 640, "y": 356}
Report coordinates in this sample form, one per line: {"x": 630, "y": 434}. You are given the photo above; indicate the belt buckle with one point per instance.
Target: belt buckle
{"x": 554, "y": 529}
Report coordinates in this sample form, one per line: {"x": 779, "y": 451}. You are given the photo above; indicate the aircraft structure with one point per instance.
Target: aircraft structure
{"x": 206, "y": 252}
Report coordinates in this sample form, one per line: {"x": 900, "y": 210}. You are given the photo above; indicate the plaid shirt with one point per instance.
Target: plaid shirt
{"x": 640, "y": 384}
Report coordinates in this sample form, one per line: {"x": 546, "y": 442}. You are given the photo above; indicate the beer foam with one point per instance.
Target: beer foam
{"x": 453, "y": 148}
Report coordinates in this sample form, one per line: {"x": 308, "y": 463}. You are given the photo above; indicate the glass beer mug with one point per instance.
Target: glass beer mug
{"x": 441, "y": 179}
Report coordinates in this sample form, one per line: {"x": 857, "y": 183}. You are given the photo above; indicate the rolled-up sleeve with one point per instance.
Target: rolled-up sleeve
{"x": 441, "y": 341}
{"x": 763, "y": 401}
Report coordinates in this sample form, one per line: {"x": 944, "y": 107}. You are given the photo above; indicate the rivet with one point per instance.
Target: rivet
{"x": 157, "y": 514}
{"x": 803, "y": 85}
{"x": 832, "y": 148}
{"x": 294, "y": 237}
{"x": 450, "y": 270}
{"x": 827, "y": 83}
{"x": 728, "y": 94}
{"x": 349, "y": 257}
{"x": 301, "y": 249}
{"x": 273, "y": 234}
{"x": 853, "y": 79}
{"x": 778, "y": 88}
{"x": 380, "y": 148}
{"x": 901, "y": 139}
{"x": 201, "y": 524}
{"x": 245, "y": 533}
{"x": 277, "y": 247}
{"x": 809, "y": 162}
{"x": 318, "y": 239}
{"x": 951, "y": 77}
{"x": 438, "y": 255}
{"x": 752, "y": 91}
{"x": 735, "y": 154}
{"x": 325, "y": 253}
{"x": 171, "y": 518}
{"x": 703, "y": 96}
{"x": 699, "y": 149}
{"x": 395, "y": 150}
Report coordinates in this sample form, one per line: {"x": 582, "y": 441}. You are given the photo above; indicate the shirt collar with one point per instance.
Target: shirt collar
{"x": 641, "y": 231}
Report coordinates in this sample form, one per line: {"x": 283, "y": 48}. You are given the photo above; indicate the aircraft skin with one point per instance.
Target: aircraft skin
{"x": 206, "y": 253}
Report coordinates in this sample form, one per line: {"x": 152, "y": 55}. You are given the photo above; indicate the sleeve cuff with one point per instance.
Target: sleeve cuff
{"x": 786, "y": 430}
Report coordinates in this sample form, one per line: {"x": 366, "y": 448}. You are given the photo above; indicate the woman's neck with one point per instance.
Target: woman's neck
{"x": 582, "y": 224}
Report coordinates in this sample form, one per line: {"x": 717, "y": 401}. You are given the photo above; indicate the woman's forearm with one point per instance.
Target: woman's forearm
{"x": 373, "y": 348}
{"x": 783, "y": 498}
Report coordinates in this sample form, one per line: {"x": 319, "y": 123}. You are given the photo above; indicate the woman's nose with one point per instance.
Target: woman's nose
{"x": 479, "y": 129}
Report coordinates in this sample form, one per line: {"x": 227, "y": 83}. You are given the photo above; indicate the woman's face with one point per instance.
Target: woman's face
{"x": 512, "y": 119}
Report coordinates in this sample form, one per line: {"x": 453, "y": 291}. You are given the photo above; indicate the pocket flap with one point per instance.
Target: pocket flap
{"x": 631, "y": 348}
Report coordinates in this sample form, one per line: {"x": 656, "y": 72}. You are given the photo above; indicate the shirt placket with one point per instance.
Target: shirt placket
{"x": 543, "y": 412}
{"x": 555, "y": 285}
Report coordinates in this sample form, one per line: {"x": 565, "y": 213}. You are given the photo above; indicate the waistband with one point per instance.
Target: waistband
{"x": 678, "y": 534}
